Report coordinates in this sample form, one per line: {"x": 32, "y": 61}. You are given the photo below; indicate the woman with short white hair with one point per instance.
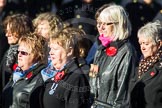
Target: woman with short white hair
{"x": 146, "y": 92}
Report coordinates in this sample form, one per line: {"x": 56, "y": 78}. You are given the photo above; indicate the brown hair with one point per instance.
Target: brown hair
{"x": 19, "y": 24}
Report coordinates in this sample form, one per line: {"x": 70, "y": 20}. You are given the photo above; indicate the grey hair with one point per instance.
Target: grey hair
{"x": 152, "y": 30}
{"x": 117, "y": 15}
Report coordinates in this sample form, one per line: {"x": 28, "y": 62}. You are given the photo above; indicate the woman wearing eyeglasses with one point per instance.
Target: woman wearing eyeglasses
{"x": 15, "y": 26}
{"x": 114, "y": 62}
{"x": 21, "y": 90}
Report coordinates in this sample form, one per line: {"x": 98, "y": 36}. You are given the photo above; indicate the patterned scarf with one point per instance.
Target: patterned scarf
{"x": 50, "y": 71}
{"x": 19, "y": 73}
{"x": 146, "y": 63}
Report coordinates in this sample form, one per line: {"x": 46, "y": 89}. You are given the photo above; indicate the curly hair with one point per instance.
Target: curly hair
{"x": 36, "y": 45}
{"x": 74, "y": 38}
{"x": 55, "y": 23}
{"x": 19, "y": 24}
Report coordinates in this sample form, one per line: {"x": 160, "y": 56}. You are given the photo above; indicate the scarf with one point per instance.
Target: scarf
{"x": 105, "y": 40}
{"x": 19, "y": 73}
{"x": 146, "y": 63}
{"x": 50, "y": 71}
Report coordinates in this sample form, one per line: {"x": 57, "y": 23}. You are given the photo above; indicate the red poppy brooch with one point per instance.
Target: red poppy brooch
{"x": 152, "y": 73}
{"x": 14, "y": 66}
{"x": 111, "y": 51}
{"x": 29, "y": 75}
{"x": 59, "y": 76}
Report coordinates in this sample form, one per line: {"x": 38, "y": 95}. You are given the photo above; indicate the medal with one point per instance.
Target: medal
{"x": 53, "y": 88}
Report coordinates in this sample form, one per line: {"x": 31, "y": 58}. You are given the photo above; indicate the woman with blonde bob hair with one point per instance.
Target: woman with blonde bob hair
{"x": 116, "y": 16}
{"x": 114, "y": 61}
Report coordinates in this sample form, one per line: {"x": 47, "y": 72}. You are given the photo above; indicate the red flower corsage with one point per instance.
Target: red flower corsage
{"x": 111, "y": 51}
{"x": 59, "y": 76}
{"x": 14, "y": 66}
{"x": 152, "y": 74}
{"x": 29, "y": 75}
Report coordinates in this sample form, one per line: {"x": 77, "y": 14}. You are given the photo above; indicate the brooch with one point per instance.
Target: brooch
{"x": 111, "y": 51}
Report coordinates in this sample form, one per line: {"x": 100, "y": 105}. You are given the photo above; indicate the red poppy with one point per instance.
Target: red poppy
{"x": 152, "y": 74}
{"x": 59, "y": 76}
{"x": 14, "y": 66}
{"x": 111, "y": 51}
{"x": 29, "y": 75}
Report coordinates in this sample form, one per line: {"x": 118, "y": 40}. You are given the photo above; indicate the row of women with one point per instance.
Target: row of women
{"x": 50, "y": 68}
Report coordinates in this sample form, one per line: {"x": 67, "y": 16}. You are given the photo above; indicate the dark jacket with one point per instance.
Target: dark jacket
{"x": 6, "y": 66}
{"x": 3, "y": 43}
{"x": 110, "y": 89}
{"x": 21, "y": 93}
{"x": 91, "y": 53}
{"x": 72, "y": 91}
{"x": 147, "y": 91}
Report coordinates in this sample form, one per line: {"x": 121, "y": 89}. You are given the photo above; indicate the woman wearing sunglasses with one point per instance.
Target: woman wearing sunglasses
{"x": 21, "y": 90}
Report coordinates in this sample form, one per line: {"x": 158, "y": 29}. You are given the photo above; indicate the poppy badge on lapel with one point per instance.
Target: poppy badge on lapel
{"x": 152, "y": 74}
{"x": 111, "y": 51}
{"x": 29, "y": 75}
{"x": 59, "y": 76}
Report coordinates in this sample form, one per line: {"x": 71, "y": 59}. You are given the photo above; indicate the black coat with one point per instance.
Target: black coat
{"x": 23, "y": 94}
{"x": 3, "y": 43}
{"x": 111, "y": 86}
{"x": 72, "y": 91}
{"x": 6, "y": 65}
{"x": 147, "y": 91}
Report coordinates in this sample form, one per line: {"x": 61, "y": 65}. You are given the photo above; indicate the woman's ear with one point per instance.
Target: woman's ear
{"x": 70, "y": 52}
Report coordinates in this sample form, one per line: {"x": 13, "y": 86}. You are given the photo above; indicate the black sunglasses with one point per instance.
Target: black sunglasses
{"x": 23, "y": 53}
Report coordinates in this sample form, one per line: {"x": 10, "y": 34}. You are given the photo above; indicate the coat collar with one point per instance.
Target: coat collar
{"x": 151, "y": 73}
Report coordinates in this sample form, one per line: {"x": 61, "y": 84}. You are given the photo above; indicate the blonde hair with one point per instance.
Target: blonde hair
{"x": 36, "y": 45}
{"x": 71, "y": 38}
{"x": 55, "y": 23}
{"x": 117, "y": 15}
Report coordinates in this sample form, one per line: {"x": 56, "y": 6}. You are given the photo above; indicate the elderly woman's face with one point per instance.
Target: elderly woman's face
{"x": 105, "y": 28}
{"x": 25, "y": 57}
{"x": 148, "y": 48}
{"x": 58, "y": 55}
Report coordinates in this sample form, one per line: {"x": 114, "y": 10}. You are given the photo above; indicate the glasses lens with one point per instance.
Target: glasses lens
{"x": 109, "y": 23}
{"x": 22, "y": 52}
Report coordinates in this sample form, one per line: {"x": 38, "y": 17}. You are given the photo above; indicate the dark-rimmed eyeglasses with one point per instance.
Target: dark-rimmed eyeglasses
{"x": 23, "y": 53}
{"x": 105, "y": 23}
